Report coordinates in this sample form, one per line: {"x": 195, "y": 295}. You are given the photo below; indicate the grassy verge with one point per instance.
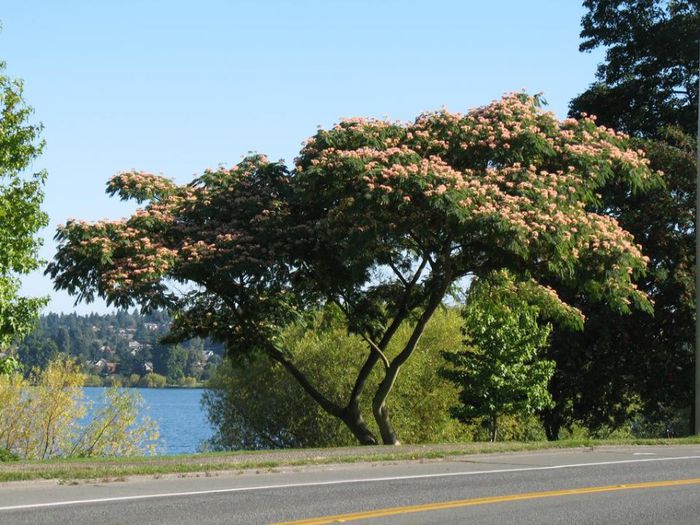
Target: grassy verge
{"x": 210, "y": 463}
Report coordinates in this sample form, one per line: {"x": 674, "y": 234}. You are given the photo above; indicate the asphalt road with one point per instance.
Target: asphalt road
{"x": 610, "y": 485}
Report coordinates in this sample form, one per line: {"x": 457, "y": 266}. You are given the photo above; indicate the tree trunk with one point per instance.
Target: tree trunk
{"x": 386, "y": 429}
{"x": 552, "y": 424}
{"x": 379, "y": 408}
{"x": 493, "y": 428}
{"x": 691, "y": 419}
{"x": 352, "y": 417}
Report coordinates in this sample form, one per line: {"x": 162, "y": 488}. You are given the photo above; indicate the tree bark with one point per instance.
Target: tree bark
{"x": 691, "y": 416}
{"x": 353, "y": 408}
{"x": 386, "y": 429}
{"x": 352, "y": 417}
{"x": 327, "y": 405}
{"x": 552, "y": 424}
{"x": 493, "y": 428}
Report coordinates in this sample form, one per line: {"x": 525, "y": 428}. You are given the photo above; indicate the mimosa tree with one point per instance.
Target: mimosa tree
{"x": 380, "y": 218}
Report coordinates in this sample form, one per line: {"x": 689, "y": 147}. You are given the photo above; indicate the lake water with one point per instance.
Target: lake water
{"x": 181, "y": 420}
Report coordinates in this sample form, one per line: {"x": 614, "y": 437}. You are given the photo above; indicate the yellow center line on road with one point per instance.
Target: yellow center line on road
{"x": 380, "y": 513}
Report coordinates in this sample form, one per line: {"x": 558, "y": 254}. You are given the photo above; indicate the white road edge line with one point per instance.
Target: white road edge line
{"x": 337, "y": 482}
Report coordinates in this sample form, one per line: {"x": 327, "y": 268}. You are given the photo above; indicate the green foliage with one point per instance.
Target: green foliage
{"x": 255, "y": 405}
{"x": 623, "y": 365}
{"x": 650, "y": 75}
{"x": 260, "y": 408}
{"x": 6, "y": 455}
{"x": 500, "y": 372}
{"x": 9, "y": 365}
{"x": 93, "y": 380}
{"x": 187, "y": 382}
{"x": 42, "y": 418}
{"x": 113, "y": 381}
{"x": 518, "y": 427}
{"x": 666, "y": 422}
{"x": 153, "y": 380}
{"x": 20, "y": 213}
{"x": 176, "y": 363}
{"x": 37, "y": 351}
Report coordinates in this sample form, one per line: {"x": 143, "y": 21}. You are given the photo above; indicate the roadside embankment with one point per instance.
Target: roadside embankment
{"x": 208, "y": 463}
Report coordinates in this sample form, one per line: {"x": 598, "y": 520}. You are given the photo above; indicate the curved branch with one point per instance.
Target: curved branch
{"x": 374, "y": 356}
{"x": 375, "y": 349}
{"x": 325, "y": 403}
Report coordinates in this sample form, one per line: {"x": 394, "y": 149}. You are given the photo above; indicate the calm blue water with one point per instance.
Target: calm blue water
{"x": 182, "y": 422}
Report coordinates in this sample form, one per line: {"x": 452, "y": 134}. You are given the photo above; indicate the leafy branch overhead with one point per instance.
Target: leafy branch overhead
{"x": 649, "y": 78}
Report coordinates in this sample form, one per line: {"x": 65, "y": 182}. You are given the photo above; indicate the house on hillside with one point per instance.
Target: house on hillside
{"x": 127, "y": 333}
{"x": 135, "y": 347}
{"x": 105, "y": 367}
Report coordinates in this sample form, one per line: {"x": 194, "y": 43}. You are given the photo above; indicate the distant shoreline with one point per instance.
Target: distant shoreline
{"x": 165, "y": 387}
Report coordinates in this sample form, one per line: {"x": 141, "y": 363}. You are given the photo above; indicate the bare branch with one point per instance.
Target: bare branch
{"x": 325, "y": 403}
{"x": 374, "y": 348}
{"x": 373, "y": 357}
{"x": 418, "y": 273}
{"x": 399, "y": 274}
{"x": 423, "y": 251}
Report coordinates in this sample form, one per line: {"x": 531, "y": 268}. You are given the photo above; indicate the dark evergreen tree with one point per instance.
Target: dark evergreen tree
{"x": 647, "y": 86}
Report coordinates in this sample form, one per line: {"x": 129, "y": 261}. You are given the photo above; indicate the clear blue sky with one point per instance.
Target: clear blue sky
{"x": 175, "y": 87}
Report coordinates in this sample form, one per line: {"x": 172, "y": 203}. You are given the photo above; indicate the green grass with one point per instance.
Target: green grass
{"x": 117, "y": 469}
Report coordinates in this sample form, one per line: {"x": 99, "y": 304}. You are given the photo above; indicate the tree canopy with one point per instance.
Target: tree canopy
{"x": 21, "y": 217}
{"x": 647, "y": 86}
{"x": 650, "y": 74}
{"x": 380, "y": 218}
{"x": 501, "y": 369}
